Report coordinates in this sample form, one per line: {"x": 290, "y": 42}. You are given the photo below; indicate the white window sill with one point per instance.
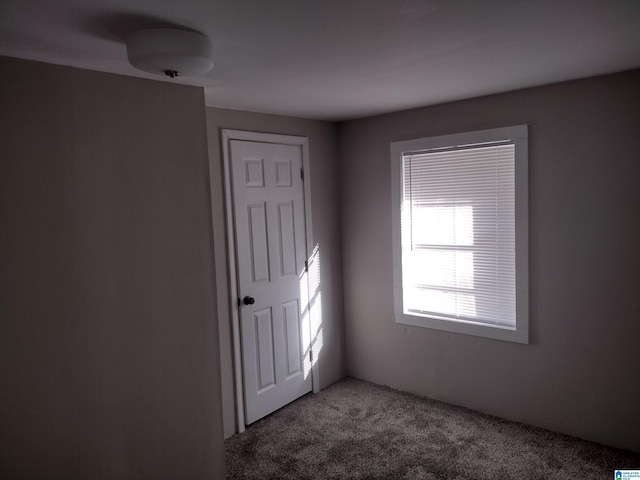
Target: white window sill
{"x": 520, "y": 335}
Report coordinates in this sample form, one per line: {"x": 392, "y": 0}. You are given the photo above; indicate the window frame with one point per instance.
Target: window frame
{"x": 519, "y": 135}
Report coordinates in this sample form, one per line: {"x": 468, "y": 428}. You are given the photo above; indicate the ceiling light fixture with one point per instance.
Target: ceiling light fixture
{"x": 171, "y": 52}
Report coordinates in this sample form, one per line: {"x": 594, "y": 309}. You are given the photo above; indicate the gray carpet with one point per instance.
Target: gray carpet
{"x": 356, "y": 430}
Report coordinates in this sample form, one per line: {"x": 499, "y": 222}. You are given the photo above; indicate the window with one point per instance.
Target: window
{"x": 460, "y": 233}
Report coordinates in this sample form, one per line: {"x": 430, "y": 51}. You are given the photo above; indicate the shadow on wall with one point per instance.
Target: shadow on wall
{"x": 116, "y": 27}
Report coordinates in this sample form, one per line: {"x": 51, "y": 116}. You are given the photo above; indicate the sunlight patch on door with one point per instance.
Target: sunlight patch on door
{"x": 311, "y": 311}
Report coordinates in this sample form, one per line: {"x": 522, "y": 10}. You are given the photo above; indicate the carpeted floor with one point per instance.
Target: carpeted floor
{"x": 356, "y": 430}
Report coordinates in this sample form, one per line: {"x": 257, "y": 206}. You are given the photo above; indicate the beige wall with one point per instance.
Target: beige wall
{"x": 326, "y": 231}
{"x": 580, "y": 374}
{"x": 111, "y": 354}
{"x": 109, "y": 361}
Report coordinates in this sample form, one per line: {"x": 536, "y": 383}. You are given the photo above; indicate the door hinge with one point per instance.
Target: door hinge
{"x": 301, "y": 174}
{"x": 306, "y": 265}
{"x": 311, "y": 356}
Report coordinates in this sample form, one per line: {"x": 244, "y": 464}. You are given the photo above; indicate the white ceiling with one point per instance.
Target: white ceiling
{"x": 343, "y": 59}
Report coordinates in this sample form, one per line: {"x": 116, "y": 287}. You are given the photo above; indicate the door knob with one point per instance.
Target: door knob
{"x": 248, "y": 300}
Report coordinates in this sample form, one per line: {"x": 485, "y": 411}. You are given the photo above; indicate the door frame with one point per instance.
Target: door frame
{"x": 227, "y": 136}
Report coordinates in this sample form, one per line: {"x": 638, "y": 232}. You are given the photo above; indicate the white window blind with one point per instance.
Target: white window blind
{"x": 458, "y": 234}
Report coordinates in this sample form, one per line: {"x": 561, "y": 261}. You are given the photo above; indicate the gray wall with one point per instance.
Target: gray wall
{"x": 326, "y": 231}
{"x": 580, "y": 374}
{"x": 109, "y": 360}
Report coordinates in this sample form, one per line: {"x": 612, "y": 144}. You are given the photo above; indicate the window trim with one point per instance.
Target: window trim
{"x": 519, "y": 135}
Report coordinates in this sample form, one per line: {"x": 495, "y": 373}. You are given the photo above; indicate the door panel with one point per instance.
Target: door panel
{"x": 259, "y": 246}
{"x": 271, "y": 250}
{"x": 290, "y": 312}
{"x": 287, "y": 237}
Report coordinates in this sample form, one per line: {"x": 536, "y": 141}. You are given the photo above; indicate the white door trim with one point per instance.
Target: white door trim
{"x": 303, "y": 143}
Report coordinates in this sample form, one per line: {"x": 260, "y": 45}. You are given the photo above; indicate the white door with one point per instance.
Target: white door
{"x": 271, "y": 252}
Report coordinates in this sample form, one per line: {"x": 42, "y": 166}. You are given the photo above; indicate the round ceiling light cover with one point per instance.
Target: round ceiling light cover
{"x": 167, "y": 51}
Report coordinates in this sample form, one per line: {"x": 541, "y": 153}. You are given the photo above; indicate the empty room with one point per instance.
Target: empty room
{"x": 360, "y": 239}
